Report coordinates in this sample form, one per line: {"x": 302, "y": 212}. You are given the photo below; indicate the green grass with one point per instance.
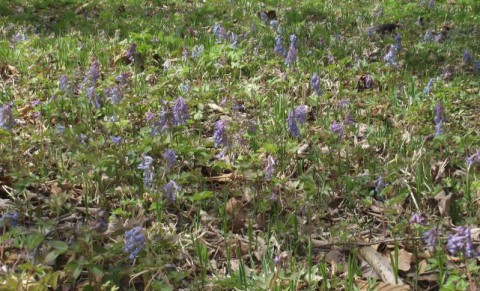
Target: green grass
{"x": 76, "y": 192}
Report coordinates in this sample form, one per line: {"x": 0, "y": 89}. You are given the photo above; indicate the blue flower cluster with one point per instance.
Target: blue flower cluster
{"x": 134, "y": 242}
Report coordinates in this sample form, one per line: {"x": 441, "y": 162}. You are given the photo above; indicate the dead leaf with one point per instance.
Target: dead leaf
{"x": 7, "y": 71}
{"x": 380, "y": 286}
{"x": 233, "y": 207}
{"x": 405, "y": 260}
{"x": 380, "y": 265}
{"x": 443, "y": 203}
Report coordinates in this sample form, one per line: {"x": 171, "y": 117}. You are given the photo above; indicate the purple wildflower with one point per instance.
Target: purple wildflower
{"x": 92, "y": 75}
{"x": 316, "y": 84}
{"x": 431, "y": 4}
{"x": 171, "y": 189}
{"x": 474, "y": 158}
{"x": 132, "y": 53}
{"x": 428, "y": 36}
{"x": 180, "y": 111}
{"x": 416, "y": 219}
{"x": 134, "y": 242}
{"x": 197, "y": 51}
{"x": 337, "y": 128}
{"x": 368, "y": 81}
{"x": 219, "y": 135}
{"x": 170, "y": 157}
{"x": 299, "y": 114}
{"x": 93, "y": 98}
{"x": 122, "y": 78}
{"x": 428, "y": 89}
{"x": 397, "y": 41}
{"x": 116, "y": 139}
{"x": 19, "y": 37}
{"x": 379, "y": 186}
{"x": 219, "y": 32}
{"x": 476, "y": 67}
{"x": 63, "y": 83}
{"x": 114, "y": 94}
{"x": 291, "y": 55}
{"x": 279, "y": 49}
{"x": 185, "y": 87}
{"x": 150, "y": 115}
{"x": 293, "y": 40}
{"x": 9, "y": 219}
{"x": 439, "y": 118}
{"x": 391, "y": 57}
{"x": 349, "y": 120}
{"x": 269, "y": 168}
{"x": 6, "y": 117}
{"x": 274, "y": 24}
{"x": 461, "y": 241}
{"x": 467, "y": 57}
{"x": 430, "y": 237}
{"x": 60, "y": 129}
{"x": 263, "y": 16}
{"x": 146, "y": 166}
{"x": 164, "y": 119}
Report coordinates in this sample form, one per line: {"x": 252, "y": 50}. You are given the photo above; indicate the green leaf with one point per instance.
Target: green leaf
{"x": 59, "y": 245}
{"x": 50, "y": 258}
{"x": 202, "y": 195}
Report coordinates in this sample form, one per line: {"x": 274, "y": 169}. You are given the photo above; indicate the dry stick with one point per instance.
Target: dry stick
{"x": 318, "y": 243}
{"x": 469, "y": 276}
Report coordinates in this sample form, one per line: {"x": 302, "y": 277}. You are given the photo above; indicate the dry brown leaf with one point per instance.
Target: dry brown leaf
{"x": 443, "y": 203}
{"x": 380, "y": 265}
{"x": 405, "y": 260}
{"x": 7, "y": 71}
{"x": 233, "y": 207}
{"x": 215, "y": 107}
{"x": 380, "y": 286}
{"x": 221, "y": 178}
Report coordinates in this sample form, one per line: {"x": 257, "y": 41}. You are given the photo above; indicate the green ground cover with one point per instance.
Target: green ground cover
{"x": 239, "y": 145}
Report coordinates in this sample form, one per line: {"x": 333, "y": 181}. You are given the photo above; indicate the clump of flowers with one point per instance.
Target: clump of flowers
{"x": 428, "y": 36}
{"x": 116, "y": 139}
{"x": 63, "y": 83}
{"x": 291, "y": 57}
{"x": 170, "y": 157}
{"x": 197, "y": 51}
{"x": 269, "y": 168}
{"x": 279, "y": 49}
{"x": 6, "y": 117}
{"x": 439, "y": 118}
{"x": 132, "y": 54}
{"x": 391, "y": 57}
{"x": 474, "y": 158}
{"x": 298, "y": 115}
{"x": 416, "y": 219}
{"x": 180, "y": 111}
{"x": 9, "y": 219}
{"x": 337, "y": 128}
{"x": 219, "y": 135}
{"x": 461, "y": 241}
{"x": 430, "y": 237}
{"x": 428, "y": 89}
{"x": 147, "y": 167}
{"x": 467, "y": 57}
{"x": 169, "y": 117}
{"x": 134, "y": 242}
{"x": 114, "y": 94}
{"x": 90, "y": 82}
{"x": 315, "y": 81}
{"x": 171, "y": 189}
